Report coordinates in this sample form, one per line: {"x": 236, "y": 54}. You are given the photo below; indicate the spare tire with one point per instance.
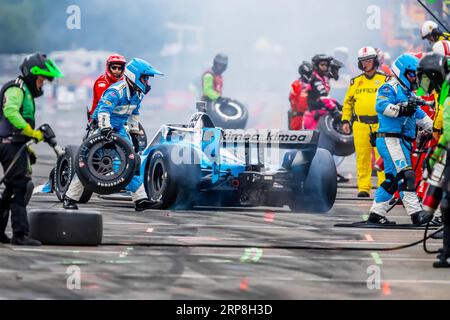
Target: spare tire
{"x": 64, "y": 172}
{"x": 228, "y": 114}
{"x": 66, "y": 227}
{"x": 333, "y": 139}
{"x": 104, "y": 165}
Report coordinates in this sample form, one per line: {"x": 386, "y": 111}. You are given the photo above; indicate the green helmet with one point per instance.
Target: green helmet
{"x": 38, "y": 65}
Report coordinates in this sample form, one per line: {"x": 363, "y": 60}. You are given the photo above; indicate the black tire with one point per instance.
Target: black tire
{"x": 142, "y": 138}
{"x": 106, "y": 166}
{"x": 64, "y": 172}
{"x": 175, "y": 185}
{"x": 332, "y": 139}
{"x": 66, "y": 227}
{"x": 228, "y": 115}
{"x": 320, "y": 186}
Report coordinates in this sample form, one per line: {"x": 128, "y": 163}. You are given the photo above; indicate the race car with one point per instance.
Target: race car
{"x": 200, "y": 164}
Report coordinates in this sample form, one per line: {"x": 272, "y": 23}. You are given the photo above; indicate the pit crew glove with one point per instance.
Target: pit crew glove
{"x": 107, "y": 132}
{"x": 37, "y": 135}
{"x": 407, "y": 109}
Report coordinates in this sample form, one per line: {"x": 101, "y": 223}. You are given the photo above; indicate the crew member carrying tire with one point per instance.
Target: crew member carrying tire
{"x": 212, "y": 80}
{"x": 399, "y": 115}
{"x": 16, "y": 129}
{"x": 118, "y": 106}
{"x": 298, "y": 97}
{"x": 359, "y": 109}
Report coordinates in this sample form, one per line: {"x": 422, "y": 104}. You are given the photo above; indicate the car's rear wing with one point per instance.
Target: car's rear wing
{"x": 283, "y": 139}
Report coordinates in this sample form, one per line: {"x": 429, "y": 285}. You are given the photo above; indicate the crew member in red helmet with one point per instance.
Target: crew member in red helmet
{"x": 115, "y": 65}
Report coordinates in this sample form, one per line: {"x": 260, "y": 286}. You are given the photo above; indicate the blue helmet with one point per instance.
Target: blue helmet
{"x": 404, "y": 64}
{"x": 138, "y": 71}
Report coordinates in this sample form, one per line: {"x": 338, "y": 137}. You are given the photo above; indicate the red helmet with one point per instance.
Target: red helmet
{"x": 114, "y": 59}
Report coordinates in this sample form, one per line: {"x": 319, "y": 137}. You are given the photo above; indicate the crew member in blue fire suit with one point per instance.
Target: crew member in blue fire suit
{"x": 118, "y": 107}
{"x": 398, "y": 116}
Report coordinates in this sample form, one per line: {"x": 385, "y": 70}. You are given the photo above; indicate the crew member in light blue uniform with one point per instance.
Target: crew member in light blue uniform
{"x": 118, "y": 107}
{"x": 399, "y": 116}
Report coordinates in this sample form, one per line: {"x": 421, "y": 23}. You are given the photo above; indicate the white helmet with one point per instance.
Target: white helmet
{"x": 442, "y": 47}
{"x": 429, "y": 28}
{"x": 366, "y": 53}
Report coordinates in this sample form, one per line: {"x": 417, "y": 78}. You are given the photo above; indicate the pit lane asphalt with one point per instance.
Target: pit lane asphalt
{"x": 144, "y": 267}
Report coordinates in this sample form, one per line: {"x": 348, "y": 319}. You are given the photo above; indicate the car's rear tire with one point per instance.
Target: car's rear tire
{"x": 66, "y": 227}
{"x": 319, "y": 190}
{"x": 173, "y": 184}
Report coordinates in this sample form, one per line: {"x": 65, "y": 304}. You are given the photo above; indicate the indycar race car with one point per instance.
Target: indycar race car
{"x": 201, "y": 164}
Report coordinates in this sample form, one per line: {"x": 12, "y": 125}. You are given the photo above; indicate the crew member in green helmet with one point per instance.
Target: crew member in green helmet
{"x": 17, "y": 122}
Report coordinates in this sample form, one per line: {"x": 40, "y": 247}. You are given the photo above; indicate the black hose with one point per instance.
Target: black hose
{"x": 281, "y": 247}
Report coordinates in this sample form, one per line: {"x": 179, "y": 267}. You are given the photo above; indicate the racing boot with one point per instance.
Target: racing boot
{"x": 420, "y": 218}
{"x": 378, "y": 219}
{"x": 69, "y": 204}
{"x": 24, "y": 240}
{"x": 342, "y": 179}
{"x": 363, "y": 194}
{"x": 437, "y": 221}
{"x": 145, "y": 204}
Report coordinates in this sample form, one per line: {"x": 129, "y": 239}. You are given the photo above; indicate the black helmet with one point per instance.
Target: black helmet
{"x": 220, "y": 63}
{"x": 335, "y": 66}
{"x": 318, "y": 58}
{"x": 38, "y": 65}
{"x": 305, "y": 71}
{"x": 432, "y": 71}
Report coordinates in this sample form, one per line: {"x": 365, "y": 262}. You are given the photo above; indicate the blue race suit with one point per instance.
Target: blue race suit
{"x": 394, "y": 143}
{"x": 116, "y": 108}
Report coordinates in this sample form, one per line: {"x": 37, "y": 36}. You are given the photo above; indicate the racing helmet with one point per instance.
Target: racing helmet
{"x": 114, "y": 59}
{"x": 432, "y": 71}
{"x": 318, "y": 58}
{"x": 431, "y": 28}
{"x": 335, "y": 66}
{"x": 403, "y": 65}
{"x": 38, "y": 65}
{"x": 367, "y": 53}
{"x": 220, "y": 63}
{"x": 442, "y": 47}
{"x": 138, "y": 71}
{"x": 305, "y": 71}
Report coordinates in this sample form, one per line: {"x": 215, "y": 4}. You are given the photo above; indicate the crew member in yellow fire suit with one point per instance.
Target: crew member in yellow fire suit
{"x": 359, "y": 109}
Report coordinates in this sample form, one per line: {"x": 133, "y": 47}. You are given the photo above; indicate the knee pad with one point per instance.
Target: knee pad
{"x": 390, "y": 184}
{"x": 408, "y": 180}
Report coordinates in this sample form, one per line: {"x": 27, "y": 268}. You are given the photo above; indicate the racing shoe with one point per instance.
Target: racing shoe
{"x": 342, "y": 179}
{"x": 145, "y": 204}
{"x": 363, "y": 194}
{"x": 24, "y": 241}
{"x": 4, "y": 239}
{"x": 69, "y": 204}
{"x": 437, "y": 221}
{"x": 378, "y": 219}
{"x": 420, "y": 218}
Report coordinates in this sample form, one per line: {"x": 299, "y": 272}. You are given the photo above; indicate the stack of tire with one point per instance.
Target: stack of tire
{"x": 228, "y": 113}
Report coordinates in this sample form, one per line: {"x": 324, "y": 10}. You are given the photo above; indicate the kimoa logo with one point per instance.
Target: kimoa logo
{"x": 275, "y": 136}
